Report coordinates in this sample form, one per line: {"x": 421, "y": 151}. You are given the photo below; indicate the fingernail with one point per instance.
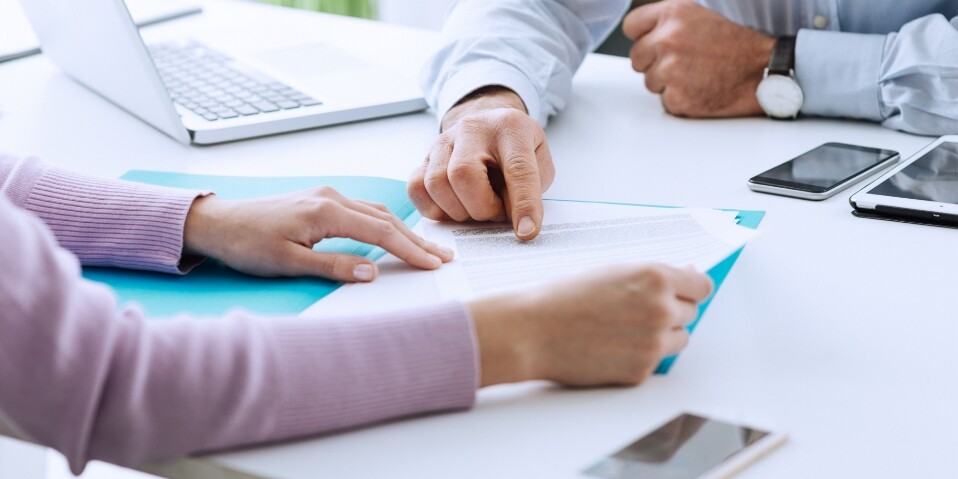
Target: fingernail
{"x": 526, "y": 226}
{"x": 442, "y": 249}
{"x": 363, "y": 272}
{"x": 435, "y": 260}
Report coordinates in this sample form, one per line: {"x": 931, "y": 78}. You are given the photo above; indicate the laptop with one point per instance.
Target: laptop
{"x": 197, "y": 94}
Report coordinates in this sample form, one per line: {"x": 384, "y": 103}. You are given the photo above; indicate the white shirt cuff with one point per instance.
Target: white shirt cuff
{"x": 486, "y": 73}
{"x": 839, "y": 73}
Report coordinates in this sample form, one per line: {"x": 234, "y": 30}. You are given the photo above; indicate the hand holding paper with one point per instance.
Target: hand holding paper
{"x": 582, "y": 243}
{"x": 610, "y": 327}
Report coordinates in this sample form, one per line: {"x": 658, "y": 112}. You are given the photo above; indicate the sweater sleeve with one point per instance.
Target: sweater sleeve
{"x": 104, "y": 222}
{"x": 118, "y": 388}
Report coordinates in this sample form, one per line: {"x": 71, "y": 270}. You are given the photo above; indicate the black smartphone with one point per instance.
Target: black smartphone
{"x": 823, "y": 171}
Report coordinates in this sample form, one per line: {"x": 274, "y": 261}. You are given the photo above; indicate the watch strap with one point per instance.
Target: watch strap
{"x": 783, "y": 57}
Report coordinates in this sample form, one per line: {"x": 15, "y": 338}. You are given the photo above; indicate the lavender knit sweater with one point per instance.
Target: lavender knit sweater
{"x": 95, "y": 382}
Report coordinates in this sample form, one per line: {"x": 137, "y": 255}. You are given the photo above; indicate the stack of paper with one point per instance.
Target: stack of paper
{"x": 580, "y": 237}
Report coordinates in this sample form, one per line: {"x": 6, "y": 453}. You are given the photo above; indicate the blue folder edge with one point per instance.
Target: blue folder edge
{"x": 747, "y": 218}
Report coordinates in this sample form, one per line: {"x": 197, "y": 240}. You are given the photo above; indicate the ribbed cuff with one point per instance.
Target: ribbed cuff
{"x": 112, "y": 222}
{"x": 17, "y": 177}
{"x": 339, "y": 373}
{"x": 489, "y": 73}
{"x": 839, "y": 72}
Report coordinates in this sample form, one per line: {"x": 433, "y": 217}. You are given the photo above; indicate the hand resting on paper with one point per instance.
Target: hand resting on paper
{"x": 274, "y": 236}
{"x": 610, "y": 328}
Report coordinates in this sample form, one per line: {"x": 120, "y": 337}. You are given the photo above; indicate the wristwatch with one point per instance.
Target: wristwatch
{"x": 778, "y": 93}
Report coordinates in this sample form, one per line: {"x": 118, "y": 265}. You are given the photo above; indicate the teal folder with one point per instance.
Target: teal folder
{"x": 212, "y": 288}
{"x": 718, "y": 273}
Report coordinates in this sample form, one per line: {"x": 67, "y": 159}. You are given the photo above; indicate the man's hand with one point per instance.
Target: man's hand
{"x": 609, "y": 328}
{"x": 491, "y": 163}
{"x": 274, "y": 236}
{"x": 702, "y": 64}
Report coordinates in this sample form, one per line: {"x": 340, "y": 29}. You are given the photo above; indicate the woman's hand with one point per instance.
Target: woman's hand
{"x": 274, "y": 236}
{"x": 610, "y": 328}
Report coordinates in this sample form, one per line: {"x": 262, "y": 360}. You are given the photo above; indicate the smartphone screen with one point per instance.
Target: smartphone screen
{"x": 825, "y": 167}
{"x": 685, "y": 447}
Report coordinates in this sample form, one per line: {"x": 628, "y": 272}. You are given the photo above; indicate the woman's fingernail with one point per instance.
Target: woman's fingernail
{"x": 442, "y": 249}
{"x": 363, "y": 272}
{"x": 435, "y": 260}
{"x": 526, "y": 226}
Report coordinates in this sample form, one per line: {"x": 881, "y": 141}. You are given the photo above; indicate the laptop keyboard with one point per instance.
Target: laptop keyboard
{"x": 217, "y": 87}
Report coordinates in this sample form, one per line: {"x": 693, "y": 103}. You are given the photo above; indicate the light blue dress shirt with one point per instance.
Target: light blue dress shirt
{"x": 889, "y": 61}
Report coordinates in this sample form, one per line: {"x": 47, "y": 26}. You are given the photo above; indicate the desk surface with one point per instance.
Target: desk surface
{"x": 839, "y": 331}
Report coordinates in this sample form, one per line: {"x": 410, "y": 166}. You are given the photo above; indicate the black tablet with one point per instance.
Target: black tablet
{"x": 923, "y": 188}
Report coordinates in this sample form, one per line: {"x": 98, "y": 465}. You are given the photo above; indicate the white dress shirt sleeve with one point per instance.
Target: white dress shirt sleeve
{"x": 906, "y": 80}
{"x": 532, "y": 47}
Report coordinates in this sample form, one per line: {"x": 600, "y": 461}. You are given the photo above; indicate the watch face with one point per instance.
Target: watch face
{"x": 780, "y": 96}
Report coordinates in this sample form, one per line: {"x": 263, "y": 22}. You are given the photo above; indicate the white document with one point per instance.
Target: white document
{"x": 579, "y": 237}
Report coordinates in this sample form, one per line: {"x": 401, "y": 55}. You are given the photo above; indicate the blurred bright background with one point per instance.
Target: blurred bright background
{"x": 420, "y": 13}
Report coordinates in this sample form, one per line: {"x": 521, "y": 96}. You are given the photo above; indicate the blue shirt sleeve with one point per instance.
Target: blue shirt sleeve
{"x": 532, "y": 47}
{"x": 906, "y": 80}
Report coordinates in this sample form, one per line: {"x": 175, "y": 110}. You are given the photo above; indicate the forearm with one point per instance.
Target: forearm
{"x": 126, "y": 390}
{"x": 104, "y": 222}
{"x": 900, "y": 79}
{"x": 531, "y": 48}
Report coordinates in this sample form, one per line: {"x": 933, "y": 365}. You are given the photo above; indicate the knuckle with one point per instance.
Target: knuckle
{"x": 324, "y": 207}
{"x": 435, "y": 214}
{"x": 653, "y": 278}
{"x": 379, "y": 206}
{"x": 417, "y": 191}
{"x": 445, "y": 141}
{"x": 668, "y": 39}
{"x": 383, "y": 229}
{"x": 325, "y": 191}
{"x": 657, "y": 314}
{"x": 651, "y": 82}
{"x": 462, "y": 172}
{"x": 435, "y": 179}
{"x": 675, "y": 103}
{"x": 521, "y": 168}
{"x": 441, "y": 150}
{"x": 668, "y": 67}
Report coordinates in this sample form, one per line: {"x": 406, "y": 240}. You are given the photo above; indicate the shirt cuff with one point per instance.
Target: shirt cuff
{"x": 107, "y": 222}
{"x": 839, "y": 73}
{"x": 340, "y": 373}
{"x": 489, "y": 73}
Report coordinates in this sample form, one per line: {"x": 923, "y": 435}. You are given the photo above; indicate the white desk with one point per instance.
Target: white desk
{"x": 841, "y": 331}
